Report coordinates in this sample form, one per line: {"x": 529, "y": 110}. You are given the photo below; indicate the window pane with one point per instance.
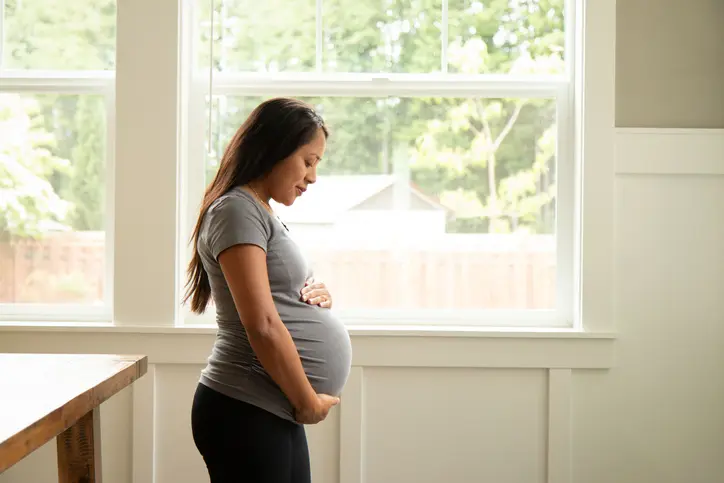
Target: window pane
{"x": 258, "y": 36}
{"x": 397, "y": 36}
{"x": 382, "y": 36}
{"x": 62, "y": 35}
{"x": 359, "y": 126}
{"x": 500, "y": 37}
{"x": 52, "y": 199}
{"x": 430, "y": 203}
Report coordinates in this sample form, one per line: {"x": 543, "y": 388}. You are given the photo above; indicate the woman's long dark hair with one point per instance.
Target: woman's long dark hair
{"x": 272, "y": 132}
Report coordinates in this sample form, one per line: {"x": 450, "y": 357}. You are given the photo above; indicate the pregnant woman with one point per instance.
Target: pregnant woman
{"x": 281, "y": 358}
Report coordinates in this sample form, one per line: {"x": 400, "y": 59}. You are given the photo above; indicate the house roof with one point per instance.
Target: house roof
{"x": 331, "y": 196}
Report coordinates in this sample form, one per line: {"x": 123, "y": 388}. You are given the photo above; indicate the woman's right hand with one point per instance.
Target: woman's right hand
{"x": 318, "y": 411}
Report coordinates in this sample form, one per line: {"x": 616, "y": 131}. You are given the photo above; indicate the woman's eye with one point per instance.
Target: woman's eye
{"x": 309, "y": 165}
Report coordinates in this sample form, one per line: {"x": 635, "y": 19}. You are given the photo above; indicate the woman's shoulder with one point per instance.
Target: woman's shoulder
{"x": 235, "y": 197}
{"x": 236, "y": 203}
{"x": 235, "y": 217}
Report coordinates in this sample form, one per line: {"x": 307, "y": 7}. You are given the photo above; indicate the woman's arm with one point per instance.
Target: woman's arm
{"x": 245, "y": 270}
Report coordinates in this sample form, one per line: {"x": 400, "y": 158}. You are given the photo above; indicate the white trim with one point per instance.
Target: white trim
{"x": 670, "y": 152}
{"x": 109, "y": 221}
{"x": 144, "y": 427}
{"x": 595, "y": 92}
{"x": 567, "y": 201}
{"x": 147, "y": 110}
{"x": 60, "y": 82}
{"x": 319, "y": 37}
{"x": 191, "y": 135}
{"x": 383, "y": 85}
{"x": 2, "y": 32}
{"x": 577, "y": 94}
{"x": 192, "y": 175}
{"x": 572, "y": 28}
{"x": 670, "y": 131}
{"x": 360, "y": 330}
{"x": 352, "y": 427}
{"x": 565, "y": 210}
{"x": 560, "y": 388}
{"x": 50, "y": 313}
{"x": 444, "y": 36}
{"x": 168, "y": 345}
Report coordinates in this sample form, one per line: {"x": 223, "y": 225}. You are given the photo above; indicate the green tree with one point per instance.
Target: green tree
{"x": 71, "y": 35}
{"x": 85, "y": 186}
{"x": 60, "y": 35}
{"x": 491, "y": 160}
{"x": 28, "y": 203}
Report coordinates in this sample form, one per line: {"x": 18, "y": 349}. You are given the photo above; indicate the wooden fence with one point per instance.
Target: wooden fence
{"x": 69, "y": 267}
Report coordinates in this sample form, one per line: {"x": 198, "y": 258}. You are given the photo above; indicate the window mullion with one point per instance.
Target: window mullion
{"x": 565, "y": 207}
{"x": 444, "y": 37}
{"x": 319, "y": 37}
{"x": 2, "y": 32}
{"x": 110, "y": 185}
{"x": 54, "y": 82}
{"x": 147, "y": 110}
{"x": 385, "y": 86}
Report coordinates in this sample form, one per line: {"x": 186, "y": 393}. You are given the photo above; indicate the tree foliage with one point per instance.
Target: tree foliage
{"x": 59, "y": 151}
{"x": 28, "y": 202}
{"x": 492, "y": 161}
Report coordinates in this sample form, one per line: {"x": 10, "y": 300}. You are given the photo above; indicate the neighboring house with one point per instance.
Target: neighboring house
{"x": 364, "y": 207}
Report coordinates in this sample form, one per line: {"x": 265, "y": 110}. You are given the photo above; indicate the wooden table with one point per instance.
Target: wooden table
{"x": 43, "y": 396}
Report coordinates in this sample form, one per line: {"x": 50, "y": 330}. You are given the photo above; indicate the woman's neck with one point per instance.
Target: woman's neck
{"x": 261, "y": 195}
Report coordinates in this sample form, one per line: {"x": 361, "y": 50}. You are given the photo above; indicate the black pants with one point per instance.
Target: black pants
{"x": 242, "y": 443}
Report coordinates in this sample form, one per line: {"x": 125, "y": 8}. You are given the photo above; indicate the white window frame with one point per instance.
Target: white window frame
{"x": 317, "y": 84}
{"x": 147, "y": 237}
{"x": 81, "y": 83}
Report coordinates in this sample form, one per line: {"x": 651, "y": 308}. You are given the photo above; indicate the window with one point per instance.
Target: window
{"x": 447, "y": 192}
{"x": 56, "y": 111}
{"x": 405, "y": 87}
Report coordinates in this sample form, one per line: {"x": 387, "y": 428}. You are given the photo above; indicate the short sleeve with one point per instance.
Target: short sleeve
{"x": 233, "y": 221}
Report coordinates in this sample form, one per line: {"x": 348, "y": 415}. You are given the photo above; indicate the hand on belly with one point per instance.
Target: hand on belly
{"x": 316, "y": 293}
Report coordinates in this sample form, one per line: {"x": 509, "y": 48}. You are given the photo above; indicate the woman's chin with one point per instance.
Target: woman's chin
{"x": 287, "y": 201}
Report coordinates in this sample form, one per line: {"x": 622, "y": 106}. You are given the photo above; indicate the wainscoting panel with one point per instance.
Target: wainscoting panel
{"x": 462, "y": 425}
{"x": 479, "y": 408}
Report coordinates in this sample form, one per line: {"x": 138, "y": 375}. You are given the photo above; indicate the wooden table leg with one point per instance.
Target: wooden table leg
{"x": 79, "y": 450}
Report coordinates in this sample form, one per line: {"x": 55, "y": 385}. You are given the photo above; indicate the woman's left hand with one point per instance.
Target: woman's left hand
{"x": 316, "y": 293}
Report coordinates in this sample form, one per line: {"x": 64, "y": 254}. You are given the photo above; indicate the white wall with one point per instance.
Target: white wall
{"x": 658, "y": 416}
{"x": 499, "y": 409}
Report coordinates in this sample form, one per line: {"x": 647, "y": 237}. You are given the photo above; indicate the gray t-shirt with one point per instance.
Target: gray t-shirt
{"x": 322, "y": 340}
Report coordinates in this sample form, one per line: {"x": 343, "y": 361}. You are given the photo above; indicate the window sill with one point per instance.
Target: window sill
{"x": 373, "y": 346}
{"x": 358, "y": 330}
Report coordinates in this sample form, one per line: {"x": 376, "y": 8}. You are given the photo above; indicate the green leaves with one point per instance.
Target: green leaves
{"x": 491, "y": 160}
{"x": 28, "y": 203}
{"x": 65, "y": 35}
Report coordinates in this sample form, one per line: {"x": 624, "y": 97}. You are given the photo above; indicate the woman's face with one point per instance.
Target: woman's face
{"x": 290, "y": 177}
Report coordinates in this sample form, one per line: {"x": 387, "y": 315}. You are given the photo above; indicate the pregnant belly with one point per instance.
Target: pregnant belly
{"x": 323, "y": 343}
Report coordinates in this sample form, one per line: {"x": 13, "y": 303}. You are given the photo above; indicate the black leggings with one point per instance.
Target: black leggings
{"x": 243, "y": 443}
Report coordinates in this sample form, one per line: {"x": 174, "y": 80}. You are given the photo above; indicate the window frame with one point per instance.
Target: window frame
{"x": 100, "y": 83}
{"x": 559, "y": 88}
{"x": 148, "y": 41}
